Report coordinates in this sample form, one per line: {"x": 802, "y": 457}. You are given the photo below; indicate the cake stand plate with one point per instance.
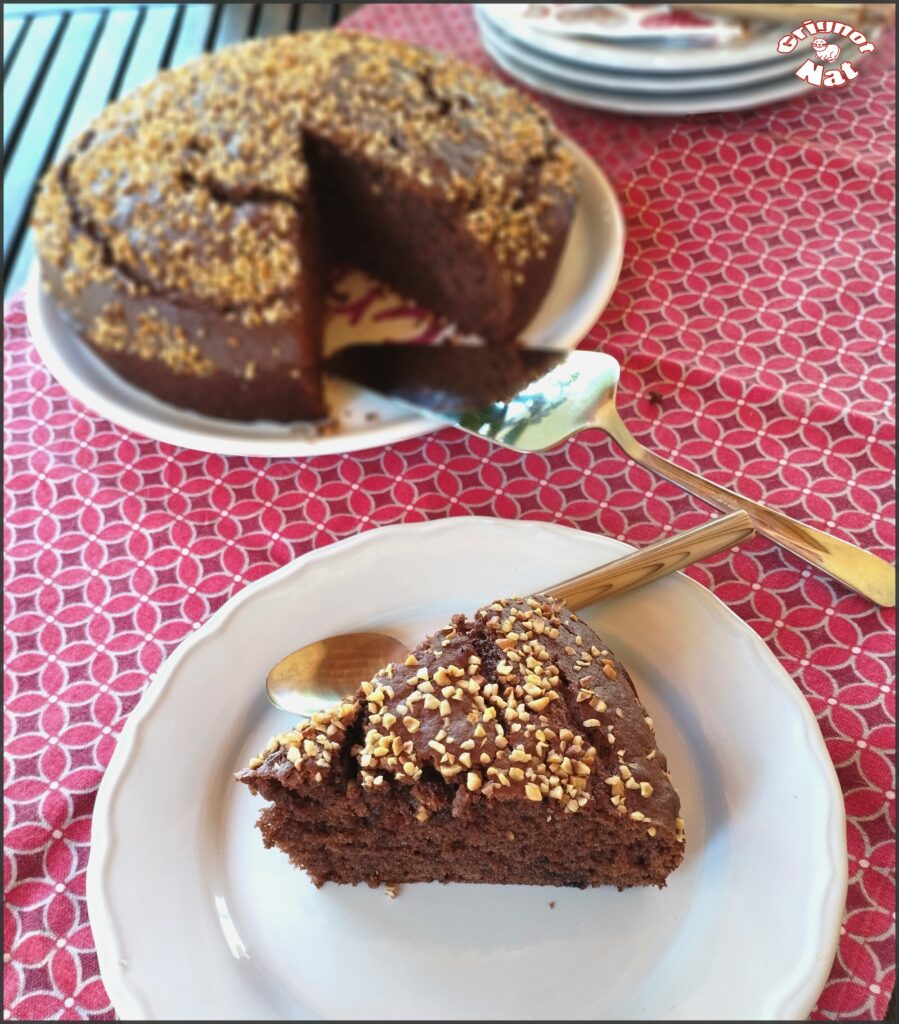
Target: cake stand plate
{"x": 195, "y": 920}
{"x": 360, "y": 311}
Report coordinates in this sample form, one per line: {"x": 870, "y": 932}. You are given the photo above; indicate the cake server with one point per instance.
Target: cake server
{"x": 548, "y": 397}
{"x": 324, "y": 672}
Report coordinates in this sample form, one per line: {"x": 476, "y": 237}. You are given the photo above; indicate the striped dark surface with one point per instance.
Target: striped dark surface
{"x": 63, "y": 63}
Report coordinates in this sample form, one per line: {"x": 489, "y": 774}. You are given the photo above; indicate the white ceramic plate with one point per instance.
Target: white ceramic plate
{"x": 584, "y": 282}
{"x": 596, "y": 77}
{"x": 665, "y": 102}
{"x": 758, "y": 47}
{"x": 194, "y": 919}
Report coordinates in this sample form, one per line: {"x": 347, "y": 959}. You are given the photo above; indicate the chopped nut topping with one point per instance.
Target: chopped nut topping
{"x": 505, "y": 734}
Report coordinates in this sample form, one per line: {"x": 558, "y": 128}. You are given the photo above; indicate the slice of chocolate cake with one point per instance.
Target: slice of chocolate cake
{"x": 507, "y": 748}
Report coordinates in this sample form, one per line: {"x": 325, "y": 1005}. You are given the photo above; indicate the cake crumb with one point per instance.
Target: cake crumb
{"x": 552, "y": 904}
{"x": 392, "y": 891}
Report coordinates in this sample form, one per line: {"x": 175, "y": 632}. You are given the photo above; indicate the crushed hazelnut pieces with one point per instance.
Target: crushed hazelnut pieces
{"x": 313, "y": 744}
{"x": 519, "y": 731}
{"x": 194, "y": 186}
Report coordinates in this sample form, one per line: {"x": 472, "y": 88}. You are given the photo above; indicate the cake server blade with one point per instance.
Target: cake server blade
{"x": 530, "y": 400}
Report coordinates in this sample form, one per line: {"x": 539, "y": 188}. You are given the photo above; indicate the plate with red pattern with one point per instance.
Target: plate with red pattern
{"x": 195, "y": 920}
{"x": 359, "y": 310}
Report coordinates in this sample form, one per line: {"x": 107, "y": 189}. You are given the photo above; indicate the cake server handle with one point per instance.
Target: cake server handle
{"x": 657, "y": 560}
{"x": 322, "y": 672}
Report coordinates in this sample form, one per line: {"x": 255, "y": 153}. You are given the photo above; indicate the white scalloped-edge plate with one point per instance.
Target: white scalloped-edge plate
{"x": 758, "y": 47}
{"x": 665, "y": 102}
{"x": 598, "y": 77}
{"x": 194, "y": 919}
{"x": 583, "y": 284}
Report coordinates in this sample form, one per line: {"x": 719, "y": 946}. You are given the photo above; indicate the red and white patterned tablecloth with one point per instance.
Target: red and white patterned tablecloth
{"x": 754, "y": 318}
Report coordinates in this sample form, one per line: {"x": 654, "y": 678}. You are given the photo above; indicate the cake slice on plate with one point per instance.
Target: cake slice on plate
{"x": 508, "y": 748}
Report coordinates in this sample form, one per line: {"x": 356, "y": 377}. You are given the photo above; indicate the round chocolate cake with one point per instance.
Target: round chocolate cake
{"x": 187, "y": 234}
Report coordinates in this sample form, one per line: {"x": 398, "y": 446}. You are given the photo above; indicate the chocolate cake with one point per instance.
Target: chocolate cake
{"x": 508, "y": 748}
{"x": 187, "y": 234}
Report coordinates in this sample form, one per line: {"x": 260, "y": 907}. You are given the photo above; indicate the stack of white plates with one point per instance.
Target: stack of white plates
{"x": 652, "y": 74}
